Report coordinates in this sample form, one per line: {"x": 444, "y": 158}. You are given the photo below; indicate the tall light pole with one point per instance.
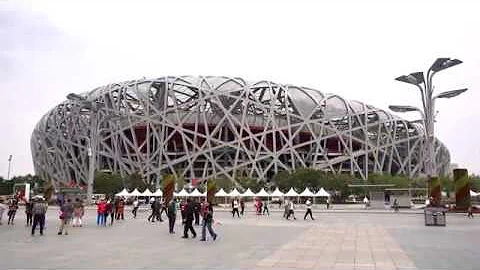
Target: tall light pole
{"x": 425, "y": 86}
{"x": 9, "y": 166}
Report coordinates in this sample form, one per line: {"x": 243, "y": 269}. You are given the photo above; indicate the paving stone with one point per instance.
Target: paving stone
{"x": 363, "y": 241}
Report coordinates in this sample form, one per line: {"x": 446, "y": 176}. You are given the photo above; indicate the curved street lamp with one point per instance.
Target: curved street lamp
{"x": 425, "y": 86}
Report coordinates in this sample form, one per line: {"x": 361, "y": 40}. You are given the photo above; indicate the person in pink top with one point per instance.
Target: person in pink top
{"x": 101, "y": 207}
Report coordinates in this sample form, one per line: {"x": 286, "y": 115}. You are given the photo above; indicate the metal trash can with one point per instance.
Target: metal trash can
{"x": 435, "y": 216}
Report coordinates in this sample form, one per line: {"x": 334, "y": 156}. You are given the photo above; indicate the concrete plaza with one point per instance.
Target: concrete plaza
{"x": 335, "y": 240}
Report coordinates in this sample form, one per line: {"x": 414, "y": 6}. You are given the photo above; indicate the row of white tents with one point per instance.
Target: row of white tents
{"x": 222, "y": 193}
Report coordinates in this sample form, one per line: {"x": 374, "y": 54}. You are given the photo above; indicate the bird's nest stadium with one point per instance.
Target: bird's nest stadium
{"x": 209, "y": 127}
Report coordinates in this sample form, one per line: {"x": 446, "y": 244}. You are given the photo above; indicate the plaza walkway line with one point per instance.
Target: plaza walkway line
{"x": 340, "y": 248}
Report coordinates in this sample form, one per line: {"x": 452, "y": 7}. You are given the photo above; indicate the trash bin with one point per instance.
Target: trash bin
{"x": 435, "y": 216}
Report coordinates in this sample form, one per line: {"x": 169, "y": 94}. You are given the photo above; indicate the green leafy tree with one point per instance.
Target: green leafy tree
{"x": 246, "y": 182}
{"x": 225, "y": 183}
{"x": 284, "y": 180}
{"x": 107, "y": 183}
{"x": 135, "y": 180}
{"x": 6, "y": 187}
{"x": 474, "y": 182}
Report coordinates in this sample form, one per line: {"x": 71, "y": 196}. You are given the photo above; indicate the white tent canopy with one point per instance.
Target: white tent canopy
{"x": 307, "y": 193}
{"x": 221, "y": 193}
{"x": 182, "y": 193}
{"x": 158, "y": 193}
{"x": 147, "y": 193}
{"x": 136, "y": 193}
{"x": 277, "y": 193}
{"x": 322, "y": 193}
{"x": 248, "y": 193}
{"x": 263, "y": 193}
{"x": 234, "y": 193}
{"x": 473, "y": 193}
{"x": 124, "y": 193}
{"x": 195, "y": 193}
{"x": 291, "y": 193}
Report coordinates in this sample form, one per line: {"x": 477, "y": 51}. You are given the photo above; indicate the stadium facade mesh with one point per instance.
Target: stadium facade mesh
{"x": 209, "y": 127}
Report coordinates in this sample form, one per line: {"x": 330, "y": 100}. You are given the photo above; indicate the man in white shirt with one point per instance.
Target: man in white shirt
{"x": 135, "y": 208}
{"x": 308, "y": 205}
{"x": 235, "y": 205}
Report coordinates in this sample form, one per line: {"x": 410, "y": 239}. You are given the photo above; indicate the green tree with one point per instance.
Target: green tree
{"x": 6, "y": 187}
{"x": 107, "y": 183}
{"x": 225, "y": 183}
{"x": 246, "y": 182}
{"x": 135, "y": 180}
{"x": 474, "y": 182}
{"x": 284, "y": 180}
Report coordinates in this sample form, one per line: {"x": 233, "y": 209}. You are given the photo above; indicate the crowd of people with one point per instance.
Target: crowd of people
{"x": 71, "y": 213}
{"x": 193, "y": 212}
{"x": 261, "y": 208}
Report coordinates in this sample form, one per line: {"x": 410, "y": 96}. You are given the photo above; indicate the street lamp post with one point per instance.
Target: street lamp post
{"x": 425, "y": 86}
{"x": 9, "y": 166}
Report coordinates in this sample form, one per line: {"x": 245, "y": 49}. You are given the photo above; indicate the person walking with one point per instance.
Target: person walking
{"x": 12, "y": 210}
{"x": 291, "y": 207}
{"x": 235, "y": 208}
{"x": 172, "y": 215}
{"x": 155, "y": 211}
{"x": 308, "y": 205}
{"x": 163, "y": 208}
{"x": 120, "y": 209}
{"x": 108, "y": 212}
{"x": 207, "y": 220}
{"x": 328, "y": 203}
{"x": 265, "y": 208}
{"x": 66, "y": 213}
{"x": 196, "y": 211}
{"x": 470, "y": 211}
{"x": 3, "y": 207}
{"x": 29, "y": 213}
{"x": 189, "y": 216}
{"x": 183, "y": 208}
{"x": 116, "y": 205}
{"x": 135, "y": 208}
{"x": 286, "y": 209}
{"x": 366, "y": 202}
{"x": 242, "y": 206}
{"x": 39, "y": 210}
{"x": 78, "y": 211}
{"x": 395, "y": 205}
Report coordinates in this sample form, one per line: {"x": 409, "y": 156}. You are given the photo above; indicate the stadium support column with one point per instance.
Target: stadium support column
{"x": 92, "y": 155}
{"x": 462, "y": 189}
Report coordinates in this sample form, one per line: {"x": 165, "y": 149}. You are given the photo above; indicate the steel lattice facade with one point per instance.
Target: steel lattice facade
{"x": 207, "y": 127}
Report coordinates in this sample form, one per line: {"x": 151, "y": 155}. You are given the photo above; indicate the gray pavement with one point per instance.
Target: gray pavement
{"x": 361, "y": 240}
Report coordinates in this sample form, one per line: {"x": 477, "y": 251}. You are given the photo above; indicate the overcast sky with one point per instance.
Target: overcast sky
{"x": 352, "y": 48}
